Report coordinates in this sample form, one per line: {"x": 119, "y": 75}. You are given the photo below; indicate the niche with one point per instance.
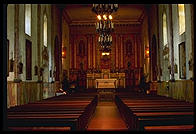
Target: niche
{"x": 11, "y": 66}
{"x": 20, "y": 67}
{"x": 35, "y": 70}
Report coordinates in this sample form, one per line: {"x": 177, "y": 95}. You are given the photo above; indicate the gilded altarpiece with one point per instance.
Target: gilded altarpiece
{"x": 124, "y": 57}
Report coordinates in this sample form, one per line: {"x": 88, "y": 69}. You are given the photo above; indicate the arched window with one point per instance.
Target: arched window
{"x": 181, "y": 18}
{"x": 164, "y": 29}
{"x": 45, "y": 30}
{"x": 28, "y": 19}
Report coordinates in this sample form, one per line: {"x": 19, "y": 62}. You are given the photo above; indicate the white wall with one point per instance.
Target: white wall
{"x": 185, "y": 37}
{"x": 10, "y": 35}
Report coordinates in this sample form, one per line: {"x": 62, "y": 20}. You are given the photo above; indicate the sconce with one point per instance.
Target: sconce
{"x": 36, "y": 70}
{"x": 50, "y": 73}
{"x": 20, "y": 67}
{"x": 11, "y": 66}
{"x": 169, "y": 67}
{"x": 190, "y": 64}
{"x": 175, "y": 68}
{"x": 147, "y": 52}
{"x": 41, "y": 71}
{"x": 64, "y": 52}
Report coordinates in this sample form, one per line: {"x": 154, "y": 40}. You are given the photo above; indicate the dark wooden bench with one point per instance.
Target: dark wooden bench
{"x": 56, "y": 112}
{"x": 141, "y": 111}
{"x": 170, "y": 128}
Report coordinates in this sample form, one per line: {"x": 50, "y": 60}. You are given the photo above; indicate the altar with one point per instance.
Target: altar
{"x": 106, "y": 83}
{"x": 105, "y": 79}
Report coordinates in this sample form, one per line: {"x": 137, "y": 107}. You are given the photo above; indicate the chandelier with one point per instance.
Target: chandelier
{"x": 104, "y": 8}
{"x": 104, "y": 25}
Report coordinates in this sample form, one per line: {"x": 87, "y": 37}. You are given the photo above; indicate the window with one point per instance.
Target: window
{"x": 28, "y": 19}
{"x": 164, "y": 29}
{"x": 45, "y": 30}
{"x": 181, "y": 18}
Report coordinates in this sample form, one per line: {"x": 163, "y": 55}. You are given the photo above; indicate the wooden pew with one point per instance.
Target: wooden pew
{"x": 53, "y": 112}
{"x": 170, "y": 128}
{"x": 129, "y": 107}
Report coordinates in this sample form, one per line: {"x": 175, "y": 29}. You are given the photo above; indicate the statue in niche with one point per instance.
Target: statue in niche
{"x": 81, "y": 66}
{"x": 128, "y": 65}
{"x": 20, "y": 67}
{"x": 45, "y": 54}
{"x": 11, "y": 66}
{"x": 129, "y": 48}
{"x": 35, "y": 70}
{"x": 81, "y": 50}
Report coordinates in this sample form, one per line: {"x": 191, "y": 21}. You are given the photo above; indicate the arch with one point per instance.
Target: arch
{"x": 56, "y": 57}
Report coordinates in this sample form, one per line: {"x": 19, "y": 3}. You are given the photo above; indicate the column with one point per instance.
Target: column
{"x": 71, "y": 51}
{"x": 171, "y": 43}
{"x": 89, "y": 53}
{"x": 121, "y": 52}
{"x": 92, "y": 52}
{"x": 16, "y": 43}
{"x": 135, "y": 47}
{"x": 38, "y": 38}
{"x": 94, "y": 39}
{"x": 75, "y": 50}
{"x": 116, "y": 49}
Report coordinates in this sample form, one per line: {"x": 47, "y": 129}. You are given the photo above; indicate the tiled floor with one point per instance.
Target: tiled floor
{"x": 107, "y": 118}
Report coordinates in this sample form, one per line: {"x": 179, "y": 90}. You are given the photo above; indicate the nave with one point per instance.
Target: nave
{"x": 132, "y": 67}
{"x": 129, "y": 111}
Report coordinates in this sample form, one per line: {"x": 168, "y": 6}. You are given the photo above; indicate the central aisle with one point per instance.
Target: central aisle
{"x": 107, "y": 118}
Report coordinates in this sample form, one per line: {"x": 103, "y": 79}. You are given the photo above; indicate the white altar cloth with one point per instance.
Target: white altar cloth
{"x": 106, "y": 83}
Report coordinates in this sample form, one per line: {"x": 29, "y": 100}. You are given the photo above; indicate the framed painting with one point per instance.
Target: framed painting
{"x": 8, "y": 57}
{"x": 182, "y": 60}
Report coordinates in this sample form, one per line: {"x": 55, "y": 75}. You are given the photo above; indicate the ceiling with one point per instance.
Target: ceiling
{"x": 82, "y": 13}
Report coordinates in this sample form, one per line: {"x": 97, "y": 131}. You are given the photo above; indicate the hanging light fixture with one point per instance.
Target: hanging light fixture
{"x": 104, "y": 25}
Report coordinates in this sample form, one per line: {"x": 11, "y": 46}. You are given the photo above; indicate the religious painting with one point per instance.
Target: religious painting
{"x": 129, "y": 48}
{"x": 28, "y": 60}
{"x": 182, "y": 60}
{"x": 56, "y": 58}
{"x": 81, "y": 49}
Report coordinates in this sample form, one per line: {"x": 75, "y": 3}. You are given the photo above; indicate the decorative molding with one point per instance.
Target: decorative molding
{"x": 66, "y": 17}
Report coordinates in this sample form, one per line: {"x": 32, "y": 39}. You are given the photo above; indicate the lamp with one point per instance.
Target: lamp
{"x": 104, "y": 25}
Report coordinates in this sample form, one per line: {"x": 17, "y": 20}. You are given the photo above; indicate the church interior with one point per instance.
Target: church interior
{"x": 99, "y": 67}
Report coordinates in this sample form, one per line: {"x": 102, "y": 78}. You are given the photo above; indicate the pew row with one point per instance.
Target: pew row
{"x": 56, "y": 113}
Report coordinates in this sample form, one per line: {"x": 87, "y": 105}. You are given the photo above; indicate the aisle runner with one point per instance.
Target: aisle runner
{"x": 106, "y": 118}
